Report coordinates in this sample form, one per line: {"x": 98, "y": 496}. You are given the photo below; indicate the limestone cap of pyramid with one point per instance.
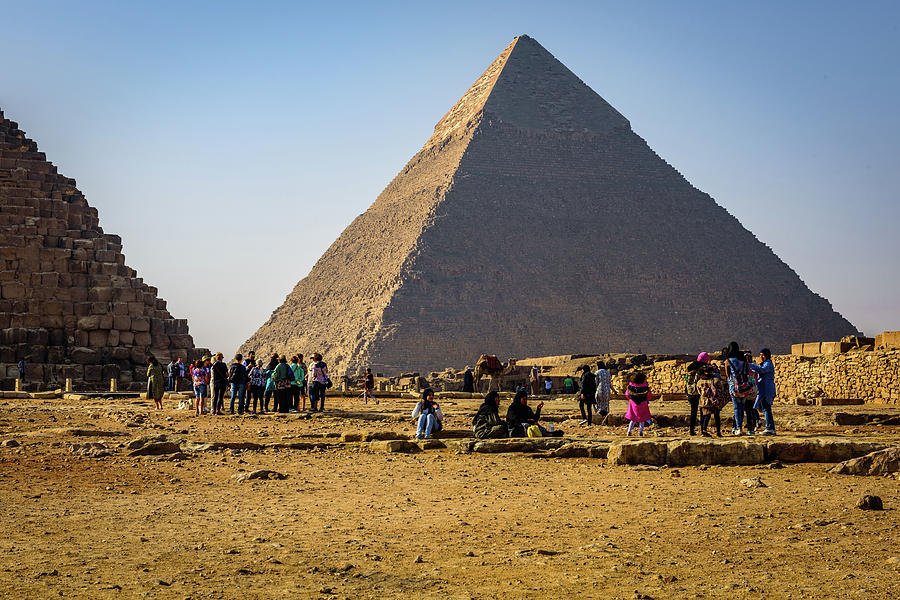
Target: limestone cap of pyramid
{"x": 528, "y": 87}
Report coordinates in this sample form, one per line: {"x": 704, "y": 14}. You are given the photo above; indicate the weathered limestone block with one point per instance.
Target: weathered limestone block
{"x": 83, "y": 356}
{"x": 708, "y": 452}
{"x": 126, "y": 338}
{"x": 12, "y": 290}
{"x": 140, "y": 324}
{"x": 89, "y": 323}
{"x": 880, "y": 462}
{"x": 637, "y": 452}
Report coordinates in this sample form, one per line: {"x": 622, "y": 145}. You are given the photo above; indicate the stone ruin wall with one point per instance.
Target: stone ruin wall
{"x": 68, "y": 303}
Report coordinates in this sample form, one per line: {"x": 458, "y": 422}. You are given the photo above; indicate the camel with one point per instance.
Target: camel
{"x": 482, "y": 369}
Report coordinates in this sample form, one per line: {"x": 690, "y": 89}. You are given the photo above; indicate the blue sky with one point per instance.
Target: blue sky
{"x": 230, "y": 143}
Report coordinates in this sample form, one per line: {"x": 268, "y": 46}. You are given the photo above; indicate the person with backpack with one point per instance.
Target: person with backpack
{"x": 237, "y": 377}
{"x": 270, "y": 384}
{"x": 219, "y": 384}
{"x": 603, "y": 383}
{"x": 765, "y": 394}
{"x": 690, "y": 387}
{"x": 713, "y": 395}
{"x": 318, "y": 383}
{"x": 257, "y": 386}
{"x": 282, "y": 377}
{"x": 587, "y": 396}
{"x": 741, "y": 387}
{"x": 487, "y": 423}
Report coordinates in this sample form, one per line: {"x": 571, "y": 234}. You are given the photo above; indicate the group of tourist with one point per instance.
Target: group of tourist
{"x": 289, "y": 384}
{"x": 750, "y": 386}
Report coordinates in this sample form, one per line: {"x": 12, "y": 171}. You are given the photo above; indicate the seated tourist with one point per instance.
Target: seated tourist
{"x": 520, "y": 417}
{"x": 429, "y": 415}
{"x": 487, "y": 423}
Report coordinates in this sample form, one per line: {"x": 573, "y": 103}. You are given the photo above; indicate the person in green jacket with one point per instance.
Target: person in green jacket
{"x": 282, "y": 377}
{"x": 297, "y": 384}
{"x": 156, "y": 381}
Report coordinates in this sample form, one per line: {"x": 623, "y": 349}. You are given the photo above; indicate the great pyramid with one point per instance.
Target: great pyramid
{"x": 68, "y": 303}
{"x": 535, "y": 222}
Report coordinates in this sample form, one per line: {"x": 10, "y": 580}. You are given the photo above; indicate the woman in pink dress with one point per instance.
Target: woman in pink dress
{"x": 639, "y": 397}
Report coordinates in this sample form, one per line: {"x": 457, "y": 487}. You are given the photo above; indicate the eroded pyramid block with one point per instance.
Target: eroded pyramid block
{"x": 69, "y": 304}
{"x": 536, "y": 222}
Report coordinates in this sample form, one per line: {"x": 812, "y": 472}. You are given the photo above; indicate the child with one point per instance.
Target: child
{"x": 639, "y": 397}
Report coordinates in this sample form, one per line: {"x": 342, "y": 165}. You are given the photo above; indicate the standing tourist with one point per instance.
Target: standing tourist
{"x": 569, "y": 384}
{"x": 298, "y": 382}
{"x": 156, "y": 382}
{"x": 219, "y": 384}
{"x": 369, "y": 387}
{"x": 181, "y": 372}
{"x": 237, "y": 377}
{"x": 548, "y": 385}
{"x": 318, "y": 382}
{"x": 23, "y": 368}
{"x": 282, "y": 378}
{"x": 690, "y": 387}
{"x": 270, "y": 383}
{"x": 603, "y": 382}
{"x": 587, "y": 397}
{"x": 200, "y": 379}
{"x": 765, "y": 394}
{"x": 257, "y": 386}
{"x": 468, "y": 381}
{"x": 639, "y": 397}
{"x": 741, "y": 388}
{"x": 712, "y": 396}
{"x": 534, "y": 380}
{"x": 304, "y": 382}
{"x": 428, "y": 415}
{"x": 487, "y": 423}
{"x": 172, "y": 372}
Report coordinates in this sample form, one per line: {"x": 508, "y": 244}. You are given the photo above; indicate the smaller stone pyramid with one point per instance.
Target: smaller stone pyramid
{"x": 69, "y": 304}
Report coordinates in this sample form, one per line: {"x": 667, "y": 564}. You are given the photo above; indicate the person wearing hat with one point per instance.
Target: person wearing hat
{"x": 219, "y": 384}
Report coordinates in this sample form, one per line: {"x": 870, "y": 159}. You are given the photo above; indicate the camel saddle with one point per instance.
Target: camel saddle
{"x": 491, "y": 362}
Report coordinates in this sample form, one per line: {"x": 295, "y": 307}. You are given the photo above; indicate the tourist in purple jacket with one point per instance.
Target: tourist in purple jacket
{"x": 765, "y": 386}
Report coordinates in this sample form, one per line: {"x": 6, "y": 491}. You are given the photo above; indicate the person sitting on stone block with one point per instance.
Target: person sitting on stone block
{"x": 427, "y": 412}
{"x": 487, "y": 423}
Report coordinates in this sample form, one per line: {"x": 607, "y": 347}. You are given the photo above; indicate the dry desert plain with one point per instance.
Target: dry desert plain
{"x": 353, "y": 520}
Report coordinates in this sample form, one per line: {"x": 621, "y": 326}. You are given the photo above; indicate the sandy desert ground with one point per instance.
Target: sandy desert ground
{"x": 353, "y": 521}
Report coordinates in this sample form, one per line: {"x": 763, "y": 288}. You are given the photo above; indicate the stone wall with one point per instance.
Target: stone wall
{"x": 69, "y": 304}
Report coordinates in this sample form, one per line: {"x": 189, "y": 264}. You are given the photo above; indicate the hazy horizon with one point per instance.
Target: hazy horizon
{"x": 230, "y": 146}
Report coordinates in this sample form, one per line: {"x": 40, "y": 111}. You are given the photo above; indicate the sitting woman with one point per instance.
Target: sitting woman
{"x": 429, "y": 415}
{"x": 487, "y": 423}
{"x": 520, "y": 417}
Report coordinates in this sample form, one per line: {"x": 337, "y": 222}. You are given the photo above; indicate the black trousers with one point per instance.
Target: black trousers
{"x": 587, "y": 405}
{"x": 694, "y": 401}
{"x": 219, "y": 396}
{"x": 704, "y": 422}
{"x": 256, "y": 394}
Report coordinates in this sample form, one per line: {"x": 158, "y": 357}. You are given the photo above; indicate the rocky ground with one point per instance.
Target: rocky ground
{"x": 82, "y": 518}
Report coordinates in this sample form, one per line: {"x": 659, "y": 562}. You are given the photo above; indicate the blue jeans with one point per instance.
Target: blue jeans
{"x": 172, "y": 381}
{"x": 317, "y": 394}
{"x": 738, "y": 411}
{"x": 766, "y": 405}
{"x": 427, "y": 425}
{"x": 239, "y": 391}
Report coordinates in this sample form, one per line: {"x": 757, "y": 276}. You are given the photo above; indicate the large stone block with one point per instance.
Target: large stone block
{"x": 126, "y": 338}
{"x": 122, "y": 322}
{"x": 637, "y": 452}
{"x": 143, "y": 339}
{"x": 12, "y": 290}
{"x": 97, "y": 338}
{"x": 89, "y": 323}
{"x": 139, "y": 324}
{"x": 84, "y": 356}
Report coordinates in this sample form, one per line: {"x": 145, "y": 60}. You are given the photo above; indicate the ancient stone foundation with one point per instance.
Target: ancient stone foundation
{"x": 69, "y": 304}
